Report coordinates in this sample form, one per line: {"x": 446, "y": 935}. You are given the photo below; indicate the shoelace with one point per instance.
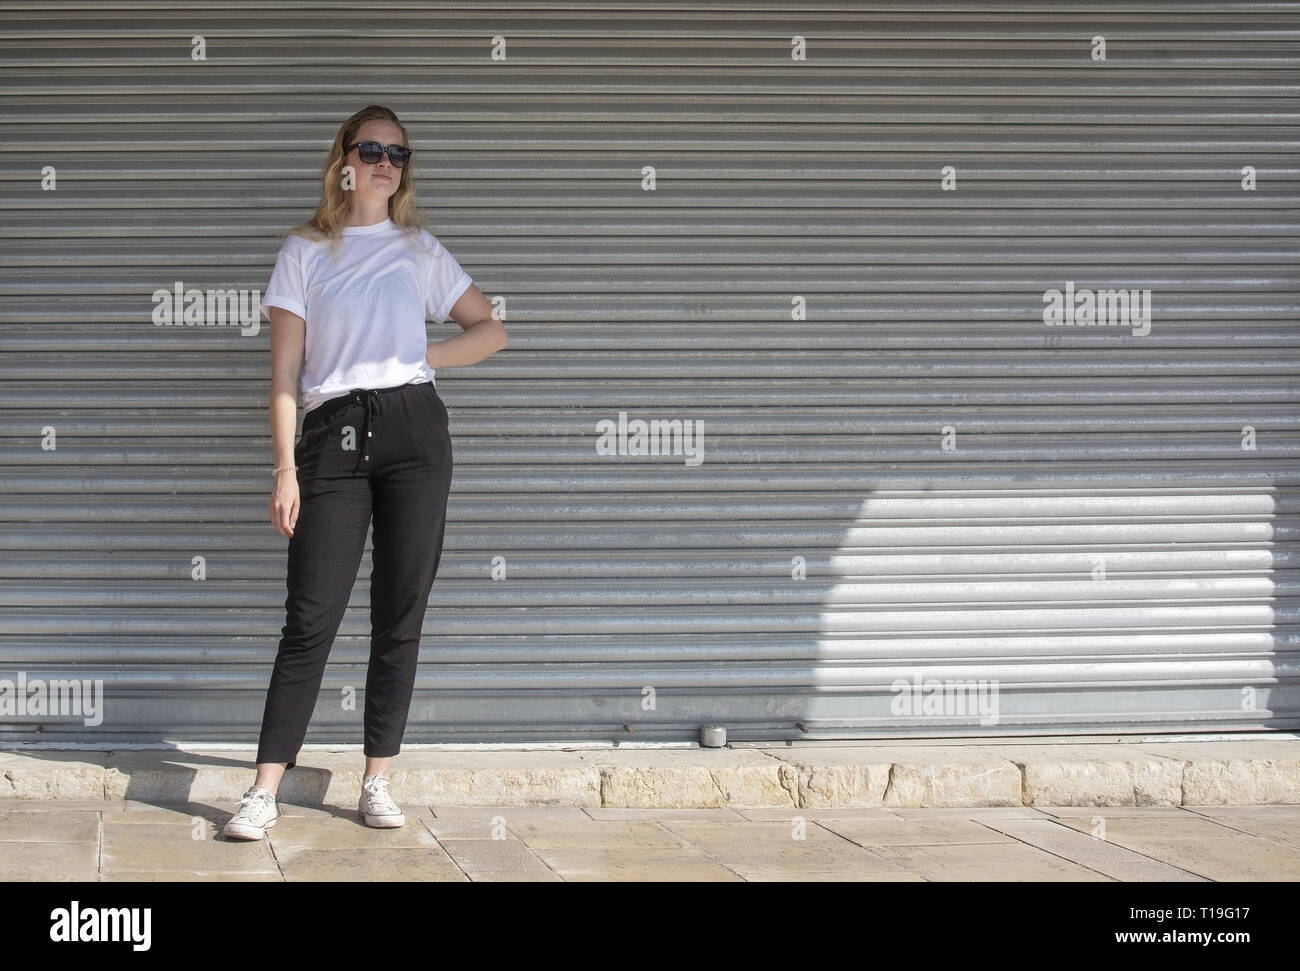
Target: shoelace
{"x": 378, "y": 789}
{"x": 253, "y": 796}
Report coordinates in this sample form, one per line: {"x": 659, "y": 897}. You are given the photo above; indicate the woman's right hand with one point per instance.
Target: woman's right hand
{"x": 284, "y": 502}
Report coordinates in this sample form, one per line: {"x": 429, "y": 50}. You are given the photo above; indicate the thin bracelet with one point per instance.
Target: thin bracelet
{"x": 285, "y": 468}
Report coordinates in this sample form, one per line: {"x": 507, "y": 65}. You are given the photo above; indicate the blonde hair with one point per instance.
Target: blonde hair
{"x": 328, "y": 220}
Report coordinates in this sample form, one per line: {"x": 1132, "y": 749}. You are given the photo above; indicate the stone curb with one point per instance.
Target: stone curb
{"x": 956, "y": 775}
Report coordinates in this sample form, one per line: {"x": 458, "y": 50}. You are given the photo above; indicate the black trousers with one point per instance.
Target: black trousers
{"x": 381, "y": 454}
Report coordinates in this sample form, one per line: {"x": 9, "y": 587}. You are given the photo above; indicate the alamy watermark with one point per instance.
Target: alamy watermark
{"x": 53, "y": 698}
{"x": 945, "y": 698}
{"x": 76, "y": 923}
{"x": 184, "y": 306}
{"x": 659, "y": 436}
{"x": 1098, "y": 308}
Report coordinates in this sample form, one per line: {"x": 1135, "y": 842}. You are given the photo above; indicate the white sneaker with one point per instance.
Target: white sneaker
{"x": 376, "y": 806}
{"x": 256, "y": 814}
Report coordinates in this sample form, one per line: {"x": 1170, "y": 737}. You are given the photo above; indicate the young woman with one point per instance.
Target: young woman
{"x": 347, "y": 301}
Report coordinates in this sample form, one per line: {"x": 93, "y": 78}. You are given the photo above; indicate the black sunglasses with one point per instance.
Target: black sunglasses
{"x": 372, "y": 152}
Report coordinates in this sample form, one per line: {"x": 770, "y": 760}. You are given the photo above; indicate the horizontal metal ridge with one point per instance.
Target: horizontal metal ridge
{"x": 249, "y": 563}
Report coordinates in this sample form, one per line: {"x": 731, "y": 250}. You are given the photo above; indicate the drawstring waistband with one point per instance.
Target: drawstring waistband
{"x": 366, "y": 398}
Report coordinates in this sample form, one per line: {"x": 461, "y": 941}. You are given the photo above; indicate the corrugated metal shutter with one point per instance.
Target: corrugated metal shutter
{"x": 1102, "y": 543}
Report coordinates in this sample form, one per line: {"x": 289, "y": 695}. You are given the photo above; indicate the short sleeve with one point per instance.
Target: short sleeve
{"x": 447, "y": 280}
{"x": 288, "y": 285}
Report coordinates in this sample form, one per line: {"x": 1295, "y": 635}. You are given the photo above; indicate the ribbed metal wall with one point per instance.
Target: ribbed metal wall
{"x": 1099, "y": 543}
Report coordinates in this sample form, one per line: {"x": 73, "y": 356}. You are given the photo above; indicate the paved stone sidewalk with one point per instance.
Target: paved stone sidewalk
{"x": 88, "y": 841}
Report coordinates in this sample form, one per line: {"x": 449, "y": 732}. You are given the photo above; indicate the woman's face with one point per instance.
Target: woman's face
{"x": 379, "y": 180}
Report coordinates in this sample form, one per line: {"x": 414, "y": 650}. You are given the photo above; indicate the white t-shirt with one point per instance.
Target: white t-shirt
{"x": 366, "y": 310}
